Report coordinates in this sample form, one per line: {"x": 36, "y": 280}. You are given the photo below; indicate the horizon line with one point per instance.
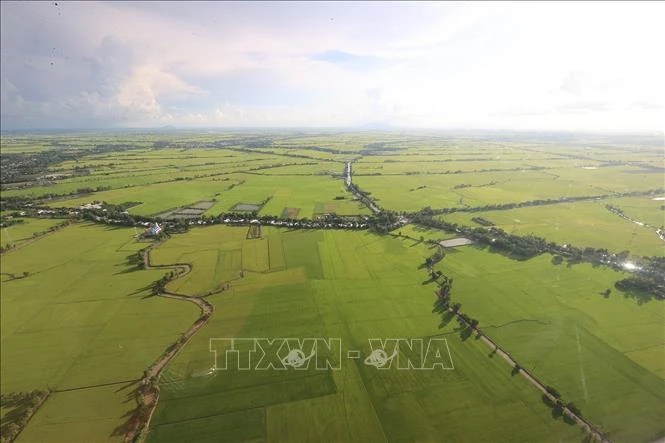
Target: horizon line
{"x": 361, "y": 128}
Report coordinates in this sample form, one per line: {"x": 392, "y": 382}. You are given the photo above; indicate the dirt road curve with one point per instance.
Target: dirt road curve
{"x": 149, "y": 382}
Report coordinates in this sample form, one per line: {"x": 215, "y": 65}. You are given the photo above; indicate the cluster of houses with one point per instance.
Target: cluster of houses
{"x": 97, "y": 212}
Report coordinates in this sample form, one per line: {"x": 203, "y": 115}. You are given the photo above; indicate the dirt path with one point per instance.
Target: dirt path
{"x": 584, "y": 423}
{"x": 148, "y": 386}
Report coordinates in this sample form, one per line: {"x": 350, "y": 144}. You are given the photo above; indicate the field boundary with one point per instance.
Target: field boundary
{"x": 589, "y": 427}
{"x": 40, "y": 235}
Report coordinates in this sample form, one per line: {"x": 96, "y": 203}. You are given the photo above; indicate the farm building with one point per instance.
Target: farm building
{"x": 154, "y": 230}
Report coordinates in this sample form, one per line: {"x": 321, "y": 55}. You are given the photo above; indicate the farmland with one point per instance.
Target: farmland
{"x": 582, "y": 223}
{"x": 272, "y": 238}
{"x": 557, "y": 322}
{"x": 67, "y": 328}
{"x": 336, "y": 284}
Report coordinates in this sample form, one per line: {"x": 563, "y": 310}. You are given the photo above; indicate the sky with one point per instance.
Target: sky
{"x": 571, "y": 66}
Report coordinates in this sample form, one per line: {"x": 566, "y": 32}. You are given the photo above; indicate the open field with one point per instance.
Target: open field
{"x": 21, "y": 232}
{"x": 81, "y": 319}
{"x": 337, "y": 284}
{"x": 581, "y": 224}
{"x": 297, "y": 191}
{"x": 78, "y": 319}
{"x": 650, "y": 210}
{"x": 605, "y": 354}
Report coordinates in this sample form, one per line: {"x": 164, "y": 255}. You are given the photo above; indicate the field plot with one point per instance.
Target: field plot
{"x": 303, "y": 192}
{"x": 246, "y": 207}
{"x": 581, "y": 224}
{"x": 354, "y": 286}
{"x": 290, "y": 212}
{"x": 155, "y": 198}
{"x": 80, "y": 318}
{"x": 21, "y": 232}
{"x": 649, "y": 210}
{"x": 460, "y": 190}
{"x": 605, "y": 354}
{"x": 77, "y": 318}
{"x": 612, "y": 178}
{"x": 82, "y": 415}
{"x": 190, "y": 211}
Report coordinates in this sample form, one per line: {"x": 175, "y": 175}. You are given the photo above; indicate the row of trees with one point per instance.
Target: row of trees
{"x": 505, "y": 206}
{"x": 554, "y": 401}
{"x": 10, "y": 246}
{"x": 468, "y": 325}
{"x": 483, "y": 221}
{"x": 364, "y": 197}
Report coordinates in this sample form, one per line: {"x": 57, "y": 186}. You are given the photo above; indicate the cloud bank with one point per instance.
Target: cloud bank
{"x": 566, "y": 66}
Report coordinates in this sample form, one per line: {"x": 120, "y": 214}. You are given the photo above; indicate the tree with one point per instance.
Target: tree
{"x": 553, "y": 392}
{"x": 25, "y": 274}
{"x": 574, "y": 409}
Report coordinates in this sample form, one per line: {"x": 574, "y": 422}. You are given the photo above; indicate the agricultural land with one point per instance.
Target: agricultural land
{"x": 132, "y": 260}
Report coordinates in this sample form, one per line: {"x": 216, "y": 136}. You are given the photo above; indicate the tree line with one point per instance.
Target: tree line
{"x": 539, "y": 202}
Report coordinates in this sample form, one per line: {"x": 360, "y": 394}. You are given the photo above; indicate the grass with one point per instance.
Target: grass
{"x": 81, "y": 318}
{"x": 92, "y": 414}
{"x": 21, "y": 232}
{"x": 605, "y": 354}
{"x": 354, "y": 286}
{"x": 74, "y": 322}
{"x": 581, "y": 224}
{"x": 644, "y": 209}
{"x": 301, "y": 192}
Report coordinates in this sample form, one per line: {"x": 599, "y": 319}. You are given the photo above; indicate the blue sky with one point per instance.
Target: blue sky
{"x": 532, "y": 66}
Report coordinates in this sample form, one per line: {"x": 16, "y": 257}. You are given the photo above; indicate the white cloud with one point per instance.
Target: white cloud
{"x": 527, "y": 65}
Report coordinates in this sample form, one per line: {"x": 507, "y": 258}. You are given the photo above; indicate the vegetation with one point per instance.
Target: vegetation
{"x": 564, "y": 279}
{"x": 20, "y": 407}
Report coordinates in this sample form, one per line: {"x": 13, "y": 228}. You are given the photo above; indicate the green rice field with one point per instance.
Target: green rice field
{"x": 79, "y": 319}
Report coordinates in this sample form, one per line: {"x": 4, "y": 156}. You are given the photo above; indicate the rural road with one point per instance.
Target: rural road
{"x": 153, "y": 373}
{"x": 588, "y": 426}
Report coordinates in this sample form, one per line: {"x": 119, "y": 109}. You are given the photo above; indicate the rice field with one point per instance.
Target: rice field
{"x": 78, "y": 318}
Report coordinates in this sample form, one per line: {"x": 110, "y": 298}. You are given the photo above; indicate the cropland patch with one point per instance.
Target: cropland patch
{"x": 254, "y": 231}
{"x": 354, "y": 286}
{"x": 290, "y": 212}
{"x": 194, "y": 210}
{"x": 246, "y": 207}
{"x": 82, "y": 318}
{"x": 325, "y": 208}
